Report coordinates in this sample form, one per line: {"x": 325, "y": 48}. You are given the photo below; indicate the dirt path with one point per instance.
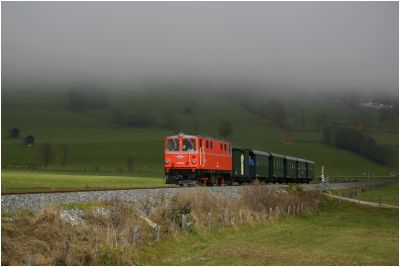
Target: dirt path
{"x": 373, "y": 204}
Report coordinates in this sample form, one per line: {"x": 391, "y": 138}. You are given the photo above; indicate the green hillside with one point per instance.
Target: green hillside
{"x": 95, "y": 143}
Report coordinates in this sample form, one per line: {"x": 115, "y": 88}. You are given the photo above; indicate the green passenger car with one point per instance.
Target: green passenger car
{"x": 310, "y": 169}
{"x": 262, "y": 164}
{"x": 289, "y": 168}
{"x": 248, "y": 165}
{"x": 276, "y": 165}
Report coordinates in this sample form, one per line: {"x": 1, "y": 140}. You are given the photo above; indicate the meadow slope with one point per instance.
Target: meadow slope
{"x": 98, "y": 145}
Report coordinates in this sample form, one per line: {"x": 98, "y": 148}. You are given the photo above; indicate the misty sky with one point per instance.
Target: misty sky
{"x": 296, "y": 45}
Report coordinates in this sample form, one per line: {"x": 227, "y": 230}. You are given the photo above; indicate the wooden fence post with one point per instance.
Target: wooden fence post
{"x": 64, "y": 254}
{"x": 225, "y": 216}
{"x": 270, "y": 214}
{"x": 184, "y": 223}
{"x": 122, "y": 244}
{"x": 240, "y": 216}
{"x": 157, "y": 232}
{"x": 135, "y": 234}
{"x": 288, "y": 210}
{"x": 209, "y": 221}
{"x": 95, "y": 248}
{"x": 30, "y": 261}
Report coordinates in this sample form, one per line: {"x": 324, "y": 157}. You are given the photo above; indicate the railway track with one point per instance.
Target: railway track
{"x": 84, "y": 190}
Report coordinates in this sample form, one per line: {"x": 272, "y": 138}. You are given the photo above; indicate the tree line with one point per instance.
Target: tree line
{"x": 358, "y": 142}
{"x": 83, "y": 99}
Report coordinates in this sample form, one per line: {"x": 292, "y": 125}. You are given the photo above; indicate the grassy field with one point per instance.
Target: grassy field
{"x": 18, "y": 181}
{"x": 94, "y": 143}
{"x": 389, "y": 194}
{"x": 340, "y": 234}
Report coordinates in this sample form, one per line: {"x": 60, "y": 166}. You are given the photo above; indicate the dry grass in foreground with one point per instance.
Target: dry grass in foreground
{"x": 110, "y": 233}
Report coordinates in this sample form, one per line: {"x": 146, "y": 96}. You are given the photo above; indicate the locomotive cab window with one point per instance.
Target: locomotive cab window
{"x": 173, "y": 145}
{"x": 189, "y": 145}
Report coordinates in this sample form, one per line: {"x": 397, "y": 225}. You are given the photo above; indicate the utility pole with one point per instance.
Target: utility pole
{"x": 323, "y": 177}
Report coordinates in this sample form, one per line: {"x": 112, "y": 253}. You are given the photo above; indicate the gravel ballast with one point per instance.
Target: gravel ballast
{"x": 36, "y": 202}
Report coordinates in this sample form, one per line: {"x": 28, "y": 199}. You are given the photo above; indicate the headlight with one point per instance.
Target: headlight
{"x": 166, "y": 161}
{"x": 194, "y": 161}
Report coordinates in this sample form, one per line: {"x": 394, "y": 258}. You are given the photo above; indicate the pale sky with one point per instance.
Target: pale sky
{"x": 298, "y": 45}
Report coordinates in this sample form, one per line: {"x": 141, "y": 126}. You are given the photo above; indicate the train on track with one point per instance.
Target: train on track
{"x": 192, "y": 160}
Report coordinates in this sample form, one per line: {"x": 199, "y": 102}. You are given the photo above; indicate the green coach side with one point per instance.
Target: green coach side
{"x": 310, "y": 170}
{"x": 289, "y": 168}
{"x": 262, "y": 165}
{"x": 240, "y": 165}
{"x": 301, "y": 168}
{"x": 276, "y": 165}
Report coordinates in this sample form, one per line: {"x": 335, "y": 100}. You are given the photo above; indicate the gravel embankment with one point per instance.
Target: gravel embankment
{"x": 36, "y": 202}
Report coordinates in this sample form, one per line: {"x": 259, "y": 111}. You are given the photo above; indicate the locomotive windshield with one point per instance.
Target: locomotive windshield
{"x": 189, "y": 145}
{"x": 173, "y": 145}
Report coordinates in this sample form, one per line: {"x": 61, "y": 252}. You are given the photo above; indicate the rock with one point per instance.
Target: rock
{"x": 73, "y": 217}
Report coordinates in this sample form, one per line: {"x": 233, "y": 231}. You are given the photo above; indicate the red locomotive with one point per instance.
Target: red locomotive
{"x": 194, "y": 160}
{"x": 197, "y": 160}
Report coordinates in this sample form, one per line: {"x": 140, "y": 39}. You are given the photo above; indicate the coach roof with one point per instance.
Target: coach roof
{"x": 261, "y": 153}
{"x": 276, "y": 155}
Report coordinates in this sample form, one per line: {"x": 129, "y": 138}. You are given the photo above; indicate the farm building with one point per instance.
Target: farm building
{"x": 13, "y": 133}
{"x": 29, "y": 140}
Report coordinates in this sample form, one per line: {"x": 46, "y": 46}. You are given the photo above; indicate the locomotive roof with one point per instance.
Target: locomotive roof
{"x": 193, "y": 136}
{"x": 182, "y": 135}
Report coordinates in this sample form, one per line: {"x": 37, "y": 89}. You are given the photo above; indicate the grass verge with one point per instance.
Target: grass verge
{"x": 388, "y": 194}
{"x": 340, "y": 234}
{"x": 18, "y": 181}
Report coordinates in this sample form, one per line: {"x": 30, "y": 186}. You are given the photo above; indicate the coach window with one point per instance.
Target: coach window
{"x": 189, "y": 145}
{"x": 173, "y": 145}
{"x": 220, "y": 146}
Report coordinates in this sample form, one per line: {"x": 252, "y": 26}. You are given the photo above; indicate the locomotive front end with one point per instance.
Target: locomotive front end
{"x": 181, "y": 159}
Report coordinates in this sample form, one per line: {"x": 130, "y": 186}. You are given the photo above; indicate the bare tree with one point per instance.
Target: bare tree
{"x": 191, "y": 108}
{"x": 46, "y": 154}
{"x": 224, "y": 128}
{"x": 171, "y": 121}
{"x": 63, "y": 155}
{"x": 131, "y": 163}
